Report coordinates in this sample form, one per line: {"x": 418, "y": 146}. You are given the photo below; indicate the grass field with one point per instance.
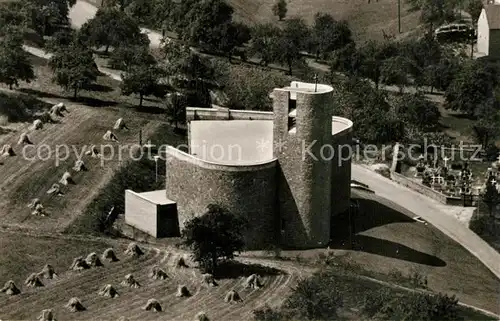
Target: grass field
{"x": 367, "y": 20}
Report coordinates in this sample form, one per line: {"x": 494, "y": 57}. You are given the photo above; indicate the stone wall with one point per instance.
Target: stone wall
{"x": 221, "y": 113}
{"x": 249, "y": 191}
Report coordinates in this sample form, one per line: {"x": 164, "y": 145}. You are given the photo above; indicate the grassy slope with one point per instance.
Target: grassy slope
{"x": 366, "y": 20}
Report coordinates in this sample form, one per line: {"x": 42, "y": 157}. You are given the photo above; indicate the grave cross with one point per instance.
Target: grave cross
{"x": 316, "y": 87}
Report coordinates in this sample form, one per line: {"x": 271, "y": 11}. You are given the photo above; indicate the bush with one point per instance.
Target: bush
{"x": 267, "y": 314}
{"x": 20, "y": 107}
{"x": 377, "y": 302}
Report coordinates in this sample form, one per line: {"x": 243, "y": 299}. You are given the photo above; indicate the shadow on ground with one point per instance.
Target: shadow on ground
{"x": 234, "y": 269}
{"x": 370, "y": 214}
{"x": 89, "y": 101}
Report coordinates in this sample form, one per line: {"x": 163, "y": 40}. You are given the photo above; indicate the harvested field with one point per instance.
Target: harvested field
{"x": 86, "y": 284}
{"x": 25, "y": 178}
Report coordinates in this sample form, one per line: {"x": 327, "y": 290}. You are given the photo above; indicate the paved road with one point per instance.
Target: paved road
{"x": 433, "y": 212}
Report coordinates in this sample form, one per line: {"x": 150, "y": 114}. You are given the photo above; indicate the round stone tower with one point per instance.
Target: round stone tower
{"x": 302, "y": 139}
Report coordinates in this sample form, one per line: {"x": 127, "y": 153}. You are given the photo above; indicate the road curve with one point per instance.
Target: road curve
{"x": 431, "y": 211}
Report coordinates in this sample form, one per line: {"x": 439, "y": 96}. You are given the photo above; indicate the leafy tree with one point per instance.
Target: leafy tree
{"x": 125, "y": 57}
{"x": 418, "y": 110}
{"x": 293, "y": 40}
{"x": 328, "y": 35}
{"x": 46, "y": 16}
{"x": 190, "y": 73}
{"x": 267, "y": 314}
{"x": 441, "y": 74}
{"x": 434, "y": 12}
{"x": 395, "y": 71}
{"x": 280, "y": 9}
{"x": 143, "y": 80}
{"x": 11, "y": 15}
{"x": 73, "y": 67}
{"x": 176, "y": 104}
{"x": 421, "y": 54}
{"x": 347, "y": 59}
{"x": 264, "y": 42}
{"x": 487, "y": 124}
{"x": 372, "y": 56}
{"x": 112, "y": 27}
{"x": 210, "y": 24}
{"x": 231, "y": 35}
{"x": 215, "y": 235}
{"x": 474, "y": 8}
{"x": 64, "y": 38}
{"x": 472, "y": 86}
{"x": 15, "y": 64}
{"x": 249, "y": 87}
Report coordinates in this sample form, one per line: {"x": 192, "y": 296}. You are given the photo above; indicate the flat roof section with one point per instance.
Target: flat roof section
{"x": 156, "y": 197}
{"x": 232, "y": 142}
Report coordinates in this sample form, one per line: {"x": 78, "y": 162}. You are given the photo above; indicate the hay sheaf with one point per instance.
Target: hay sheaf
{"x": 93, "y": 260}
{"x": 120, "y": 124}
{"x": 24, "y": 139}
{"x": 134, "y": 250}
{"x": 66, "y": 179}
{"x": 181, "y": 263}
{"x": 232, "y": 297}
{"x": 209, "y": 279}
{"x": 57, "y": 110}
{"x": 48, "y": 272}
{"x": 182, "y": 291}
{"x": 33, "y": 281}
{"x": 201, "y": 316}
{"x": 93, "y": 152}
{"x": 152, "y": 305}
{"x": 46, "y": 315}
{"x": 109, "y": 255}
{"x": 109, "y": 136}
{"x": 253, "y": 282}
{"x": 34, "y": 202}
{"x": 7, "y": 151}
{"x": 10, "y": 288}
{"x": 79, "y": 264}
{"x": 75, "y": 305}
{"x": 55, "y": 189}
{"x": 130, "y": 282}
{"x": 79, "y": 166}
{"x": 37, "y": 124}
{"x": 158, "y": 274}
{"x": 108, "y": 291}
{"x": 38, "y": 211}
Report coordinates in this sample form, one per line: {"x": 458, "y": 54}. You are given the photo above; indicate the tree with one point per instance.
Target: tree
{"x": 10, "y": 15}
{"x": 46, "y": 16}
{"x": 190, "y": 73}
{"x": 15, "y": 64}
{"x": 143, "y": 80}
{"x": 328, "y": 35}
{"x": 125, "y": 57}
{"x": 264, "y": 42}
{"x": 422, "y": 53}
{"x": 395, "y": 71}
{"x": 176, "y": 104}
{"x": 210, "y": 24}
{"x": 441, "y": 74}
{"x": 436, "y": 12}
{"x": 280, "y": 9}
{"x": 112, "y": 27}
{"x": 487, "y": 124}
{"x": 474, "y": 8}
{"x": 372, "y": 55}
{"x": 347, "y": 59}
{"x": 293, "y": 40}
{"x": 249, "y": 87}
{"x": 215, "y": 235}
{"x": 416, "y": 109}
{"x": 472, "y": 86}
{"x": 73, "y": 67}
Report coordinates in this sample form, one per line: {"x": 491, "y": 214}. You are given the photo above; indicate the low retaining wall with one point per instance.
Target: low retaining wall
{"x": 425, "y": 190}
{"x": 222, "y": 113}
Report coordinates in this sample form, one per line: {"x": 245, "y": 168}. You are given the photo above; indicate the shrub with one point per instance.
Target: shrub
{"x": 377, "y": 302}
{"x": 20, "y": 107}
{"x": 267, "y": 314}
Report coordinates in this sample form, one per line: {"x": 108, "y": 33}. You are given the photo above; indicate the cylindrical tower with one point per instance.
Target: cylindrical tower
{"x": 303, "y": 146}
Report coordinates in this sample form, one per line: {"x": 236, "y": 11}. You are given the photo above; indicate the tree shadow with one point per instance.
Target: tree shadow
{"x": 234, "y": 269}
{"x": 372, "y": 245}
{"x": 149, "y": 110}
{"x": 40, "y": 94}
{"x": 4, "y": 131}
{"x": 93, "y": 102}
{"x": 99, "y": 88}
